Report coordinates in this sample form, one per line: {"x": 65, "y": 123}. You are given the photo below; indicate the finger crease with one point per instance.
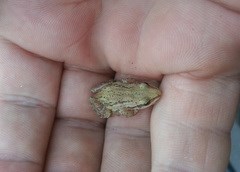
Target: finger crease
{"x": 80, "y": 123}
{"x": 225, "y": 5}
{"x": 129, "y": 132}
{"x": 5, "y": 158}
{"x": 213, "y": 130}
{"x": 168, "y": 167}
{"x": 77, "y": 68}
{"x": 25, "y": 101}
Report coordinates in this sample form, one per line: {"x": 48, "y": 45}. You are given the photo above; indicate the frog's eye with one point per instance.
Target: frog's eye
{"x": 143, "y": 85}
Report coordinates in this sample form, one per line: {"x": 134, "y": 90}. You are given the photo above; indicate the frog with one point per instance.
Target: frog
{"x": 123, "y": 97}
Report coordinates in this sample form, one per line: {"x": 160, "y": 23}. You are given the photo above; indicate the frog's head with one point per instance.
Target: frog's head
{"x": 148, "y": 95}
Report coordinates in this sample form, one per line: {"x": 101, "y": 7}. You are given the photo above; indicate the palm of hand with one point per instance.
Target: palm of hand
{"x": 49, "y": 64}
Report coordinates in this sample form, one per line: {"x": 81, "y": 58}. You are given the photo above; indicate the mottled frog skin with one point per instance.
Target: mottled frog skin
{"x": 123, "y": 97}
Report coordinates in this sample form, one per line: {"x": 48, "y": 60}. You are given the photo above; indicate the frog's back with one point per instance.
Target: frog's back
{"x": 116, "y": 93}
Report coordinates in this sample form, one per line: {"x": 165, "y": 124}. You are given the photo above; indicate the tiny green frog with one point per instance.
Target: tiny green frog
{"x": 123, "y": 97}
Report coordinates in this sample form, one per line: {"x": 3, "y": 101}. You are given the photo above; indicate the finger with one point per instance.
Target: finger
{"x": 169, "y": 37}
{"x": 230, "y": 4}
{"x": 56, "y": 29}
{"x": 62, "y": 34}
{"x": 190, "y": 127}
{"x": 78, "y": 135}
{"x": 127, "y": 144}
{"x": 27, "y": 107}
{"x": 151, "y": 38}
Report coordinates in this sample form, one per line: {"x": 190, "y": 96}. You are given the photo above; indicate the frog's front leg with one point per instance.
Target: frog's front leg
{"x": 128, "y": 80}
{"x": 101, "y": 110}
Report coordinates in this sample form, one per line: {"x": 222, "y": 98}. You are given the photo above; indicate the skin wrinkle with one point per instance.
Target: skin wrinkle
{"x": 77, "y": 68}
{"x": 168, "y": 167}
{"x": 81, "y": 123}
{"x": 175, "y": 167}
{"x": 81, "y": 38}
{"x": 226, "y": 6}
{"x": 8, "y": 42}
{"x": 25, "y": 101}
{"x": 18, "y": 160}
{"x": 197, "y": 128}
{"x": 78, "y": 41}
{"x": 140, "y": 33}
{"x": 129, "y": 132}
{"x": 21, "y": 166}
{"x": 235, "y": 79}
{"x": 73, "y": 3}
{"x": 183, "y": 88}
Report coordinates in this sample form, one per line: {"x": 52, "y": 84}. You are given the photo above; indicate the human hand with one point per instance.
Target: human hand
{"x": 53, "y": 52}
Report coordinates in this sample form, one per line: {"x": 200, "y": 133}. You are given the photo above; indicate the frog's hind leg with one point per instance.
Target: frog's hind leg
{"x": 127, "y": 112}
{"x": 101, "y": 110}
{"x": 96, "y": 89}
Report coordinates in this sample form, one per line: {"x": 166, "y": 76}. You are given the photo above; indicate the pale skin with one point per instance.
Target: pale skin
{"x": 53, "y": 52}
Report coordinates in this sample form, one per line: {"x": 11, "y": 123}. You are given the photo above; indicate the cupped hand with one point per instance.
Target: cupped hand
{"x": 53, "y": 52}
